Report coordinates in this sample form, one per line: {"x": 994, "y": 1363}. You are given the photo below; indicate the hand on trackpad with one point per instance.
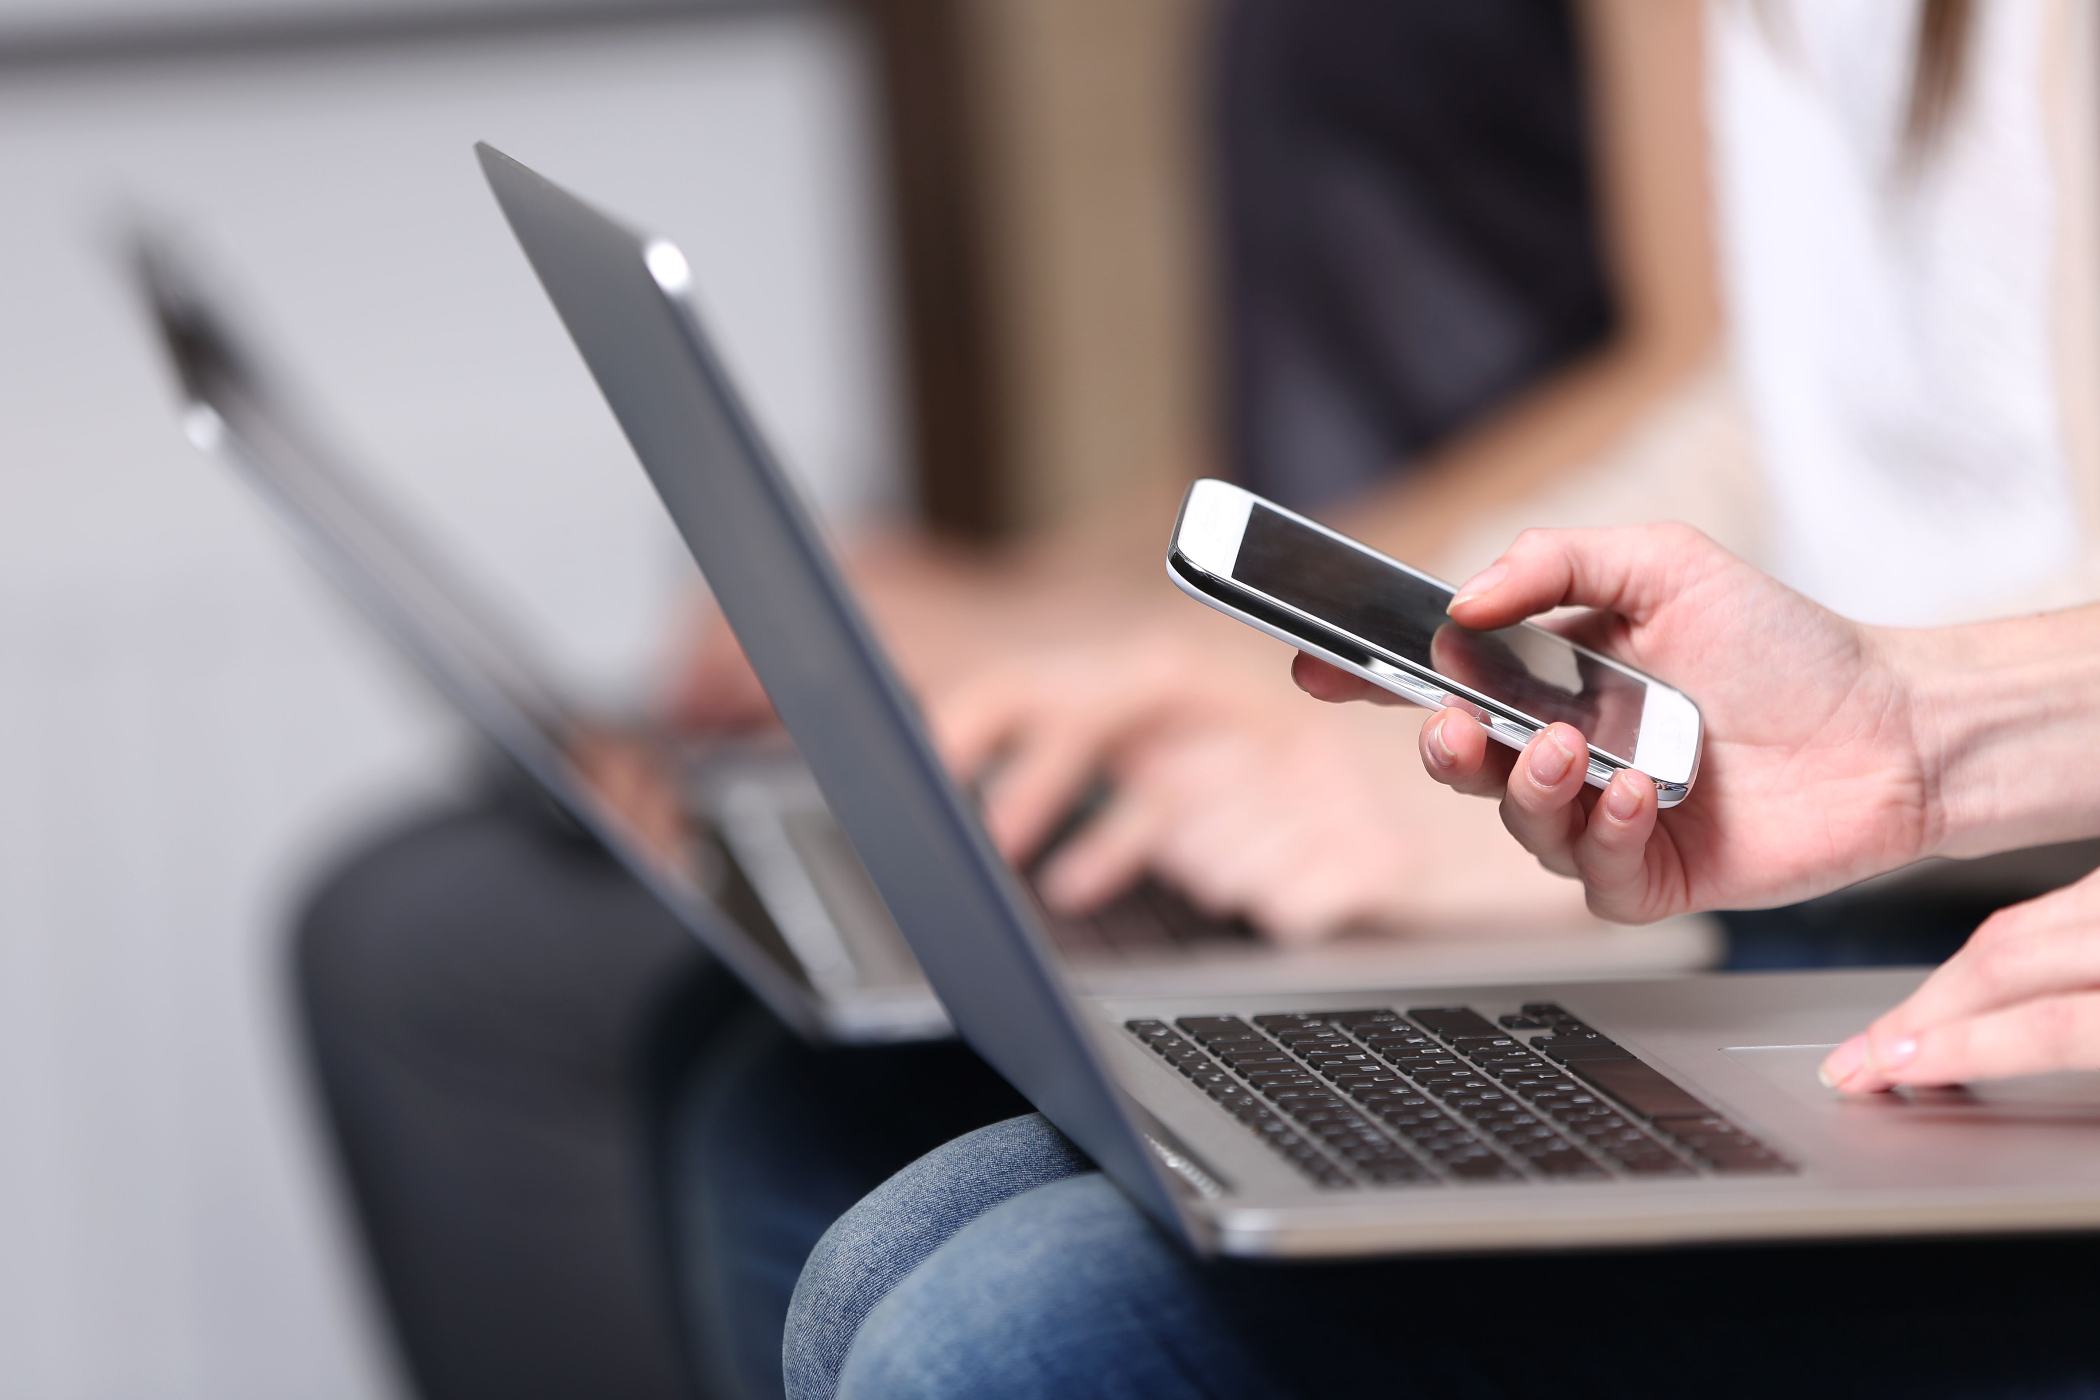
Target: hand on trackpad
{"x": 2068, "y": 1095}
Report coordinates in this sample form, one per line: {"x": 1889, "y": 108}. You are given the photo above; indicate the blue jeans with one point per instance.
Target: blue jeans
{"x": 1002, "y": 1267}
{"x": 770, "y": 1142}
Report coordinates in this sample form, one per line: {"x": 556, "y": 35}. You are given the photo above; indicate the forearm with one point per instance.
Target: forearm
{"x": 1556, "y": 428}
{"x": 2007, "y": 719}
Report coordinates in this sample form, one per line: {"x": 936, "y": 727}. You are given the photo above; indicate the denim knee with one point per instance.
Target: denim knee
{"x": 881, "y": 1240}
{"x": 1066, "y": 1290}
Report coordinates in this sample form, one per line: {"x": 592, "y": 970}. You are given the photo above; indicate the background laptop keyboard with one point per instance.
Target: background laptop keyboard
{"x": 1144, "y": 922}
{"x": 1377, "y": 1099}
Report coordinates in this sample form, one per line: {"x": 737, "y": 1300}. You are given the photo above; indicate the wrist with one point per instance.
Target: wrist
{"x": 2002, "y": 716}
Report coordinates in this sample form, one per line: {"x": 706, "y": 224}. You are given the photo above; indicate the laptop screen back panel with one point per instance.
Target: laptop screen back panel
{"x": 615, "y": 784}
{"x": 852, "y": 721}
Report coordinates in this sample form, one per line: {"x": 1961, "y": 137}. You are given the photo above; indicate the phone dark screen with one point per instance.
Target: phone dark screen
{"x": 1396, "y": 612}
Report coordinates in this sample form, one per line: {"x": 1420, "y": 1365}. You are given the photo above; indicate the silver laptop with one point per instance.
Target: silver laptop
{"x": 1309, "y": 1122}
{"x": 736, "y": 839}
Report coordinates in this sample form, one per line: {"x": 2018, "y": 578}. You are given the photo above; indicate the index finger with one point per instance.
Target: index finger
{"x": 2049, "y": 945}
{"x": 1324, "y": 681}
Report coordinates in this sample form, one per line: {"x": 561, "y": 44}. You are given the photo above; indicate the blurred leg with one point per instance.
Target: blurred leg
{"x": 771, "y": 1141}
{"x": 484, "y": 995}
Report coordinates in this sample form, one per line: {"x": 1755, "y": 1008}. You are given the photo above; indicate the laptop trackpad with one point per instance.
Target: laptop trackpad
{"x": 2069, "y": 1096}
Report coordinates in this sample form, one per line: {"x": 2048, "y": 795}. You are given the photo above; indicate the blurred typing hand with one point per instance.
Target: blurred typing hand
{"x": 1308, "y": 821}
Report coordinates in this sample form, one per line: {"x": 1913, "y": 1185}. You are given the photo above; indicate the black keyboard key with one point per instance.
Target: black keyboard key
{"x": 1451, "y": 1021}
{"x": 1565, "y": 1163}
{"x": 1745, "y": 1159}
{"x": 1499, "y": 1065}
{"x": 1354, "y": 1020}
{"x": 1345, "y": 1065}
{"x": 1721, "y": 1144}
{"x": 1395, "y": 1174}
{"x": 1693, "y": 1132}
{"x": 1656, "y": 1163}
{"x": 1292, "y": 1074}
{"x": 1487, "y": 1168}
{"x": 1296, "y": 1106}
{"x": 1573, "y": 1052}
{"x": 1263, "y": 1065}
{"x": 1641, "y": 1087}
{"x": 1425, "y": 1064}
{"x": 1384, "y": 1098}
{"x": 1287, "y": 1020}
{"x": 1366, "y": 1155}
{"x": 1515, "y": 1022}
{"x": 1395, "y": 1029}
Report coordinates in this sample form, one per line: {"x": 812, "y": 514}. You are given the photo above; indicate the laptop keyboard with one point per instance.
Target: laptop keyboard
{"x": 1379, "y": 1099}
{"x": 1146, "y": 921}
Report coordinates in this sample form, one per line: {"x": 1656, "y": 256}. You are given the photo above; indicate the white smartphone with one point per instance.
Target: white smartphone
{"x": 1375, "y": 617}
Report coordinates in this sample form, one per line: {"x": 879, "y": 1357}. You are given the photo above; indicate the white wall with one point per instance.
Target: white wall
{"x": 188, "y": 724}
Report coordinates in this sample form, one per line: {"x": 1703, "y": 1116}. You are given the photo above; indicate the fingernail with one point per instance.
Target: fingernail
{"x": 1844, "y": 1062}
{"x": 1621, "y": 801}
{"x": 1479, "y": 585}
{"x": 1550, "y": 760}
{"x": 1440, "y": 748}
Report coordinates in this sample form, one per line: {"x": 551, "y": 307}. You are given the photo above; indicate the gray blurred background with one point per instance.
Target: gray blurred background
{"x": 946, "y": 245}
{"x": 188, "y": 722}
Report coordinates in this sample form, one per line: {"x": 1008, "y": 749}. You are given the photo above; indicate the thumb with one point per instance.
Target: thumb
{"x": 1630, "y": 571}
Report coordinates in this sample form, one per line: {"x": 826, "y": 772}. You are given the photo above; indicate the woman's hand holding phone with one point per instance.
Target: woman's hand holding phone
{"x": 1813, "y": 776}
{"x": 1834, "y": 751}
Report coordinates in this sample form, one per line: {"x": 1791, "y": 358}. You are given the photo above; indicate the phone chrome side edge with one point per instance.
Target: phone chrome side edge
{"x": 1359, "y": 657}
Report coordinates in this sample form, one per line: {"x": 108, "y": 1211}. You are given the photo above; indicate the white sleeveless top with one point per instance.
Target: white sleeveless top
{"x": 1914, "y": 350}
